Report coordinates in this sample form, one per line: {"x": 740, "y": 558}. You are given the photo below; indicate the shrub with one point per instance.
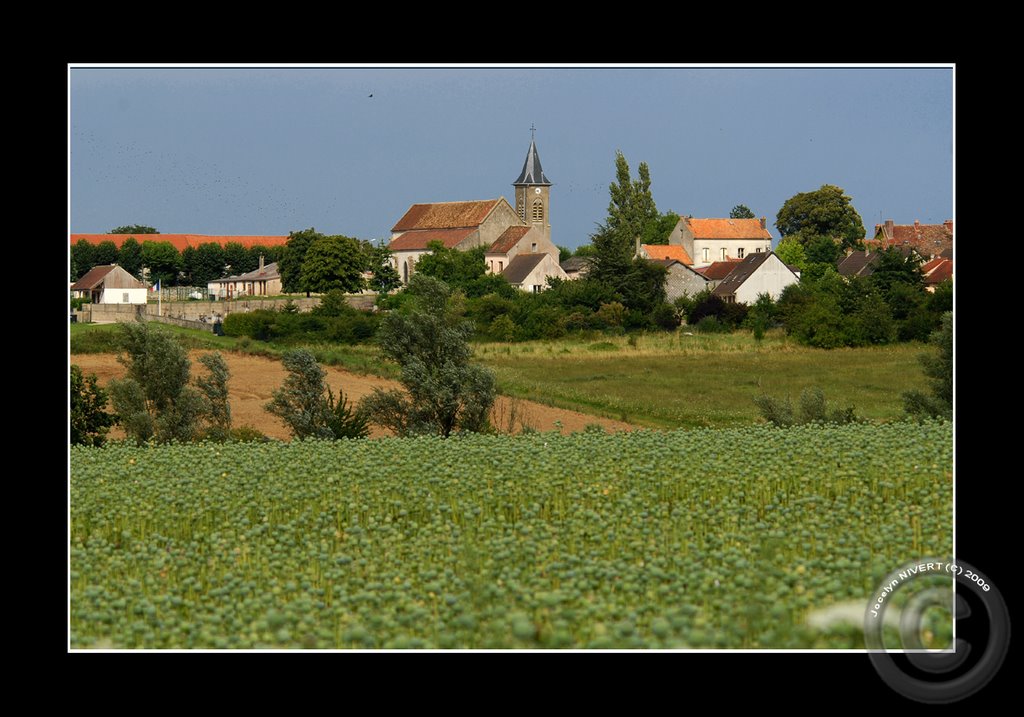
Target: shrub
{"x": 308, "y": 406}
{"x": 939, "y": 367}
{"x": 666, "y": 318}
{"x": 90, "y": 421}
{"x": 155, "y": 401}
{"x": 247, "y": 434}
{"x": 429, "y": 341}
{"x": 813, "y": 409}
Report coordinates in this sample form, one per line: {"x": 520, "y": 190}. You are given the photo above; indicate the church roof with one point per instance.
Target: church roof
{"x": 508, "y": 239}
{"x": 521, "y": 266}
{"x": 445, "y": 215}
{"x": 532, "y": 173}
{"x": 415, "y": 240}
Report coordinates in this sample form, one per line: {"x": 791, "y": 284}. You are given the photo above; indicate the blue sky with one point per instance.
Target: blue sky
{"x": 271, "y": 150}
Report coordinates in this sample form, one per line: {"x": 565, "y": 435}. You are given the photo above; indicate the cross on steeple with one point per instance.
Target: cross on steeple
{"x": 533, "y": 131}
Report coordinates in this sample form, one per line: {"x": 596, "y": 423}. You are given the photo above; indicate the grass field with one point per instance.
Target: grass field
{"x": 657, "y": 380}
{"x": 679, "y": 380}
{"x": 707, "y": 539}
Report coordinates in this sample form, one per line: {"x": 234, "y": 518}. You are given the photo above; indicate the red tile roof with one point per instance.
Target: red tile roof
{"x": 181, "y": 241}
{"x": 728, "y": 229}
{"x": 927, "y": 239}
{"x": 667, "y": 251}
{"x": 720, "y": 269}
{"x": 942, "y": 270}
{"x": 413, "y": 241}
{"x": 508, "y": 239}
{"x": 445, "y": 215}
{"x": 931, "y": 264}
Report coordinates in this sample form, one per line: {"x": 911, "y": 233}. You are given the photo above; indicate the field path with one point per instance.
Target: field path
{"x": 254, "y": 378}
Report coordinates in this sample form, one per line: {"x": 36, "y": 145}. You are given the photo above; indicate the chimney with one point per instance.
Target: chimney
{"x": 917, "y": 224}
{"x": 888, "y": 228}
{"x": 637, "y": 249}
{"x": 261, "y": 265}
{"x": 763, "y": 220}
{"x": 949, "y": 225}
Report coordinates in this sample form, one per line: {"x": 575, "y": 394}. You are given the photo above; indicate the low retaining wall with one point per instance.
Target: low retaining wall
{"x": 201, "y": 314}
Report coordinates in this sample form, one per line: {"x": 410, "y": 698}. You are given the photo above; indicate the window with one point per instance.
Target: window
{"x": 501, "y": 266}
{"x": 723, "y": 254}
{"x": 739, "y": 252}
{"x": 492, "y": 266}
{"x": 405, "y": 272}
{"x": 533, "y": 248}
{"x": 707, "y": 255}
{"x": 124, "y": 298}
{"x": 536, "y": 288}
{"x": 759, "y": 250}
{"x": 538, "y": 211}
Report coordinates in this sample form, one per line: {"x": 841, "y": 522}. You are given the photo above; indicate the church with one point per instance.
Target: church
{"x": 517, "y": 240}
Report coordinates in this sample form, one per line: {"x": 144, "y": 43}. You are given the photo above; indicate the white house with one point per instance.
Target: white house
{"x": 763, "y": 273}
{"x": 530, "y": 272}
{"x": 710, "y": 240}
{"x": 110, "y": 284}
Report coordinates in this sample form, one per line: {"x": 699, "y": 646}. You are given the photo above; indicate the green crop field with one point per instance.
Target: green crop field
{"x": 702, "y": 539}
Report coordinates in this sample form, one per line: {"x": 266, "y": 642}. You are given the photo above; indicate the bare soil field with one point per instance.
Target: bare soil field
{"x": 254, "y": 378}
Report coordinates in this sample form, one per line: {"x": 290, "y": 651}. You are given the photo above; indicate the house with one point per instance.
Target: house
{"x": 716, "y": 272}
{"x": 936, "y": 271}
{"x": 681, "y": 279}
{"x": 530, "y": 272}
{"x": 929, "y": 240}
{"x": 858, "y": 263}
{"x": 657, "y": 252}
{"x": 514, "y": 241}
{"x": 264, "y": 281}
{"x": 506, "y": 232}
{"x": 110, "y": 284}
{"x": 710, "y": 240}
{"x": 576, "y": 267}
{"x": 762, "y": 273}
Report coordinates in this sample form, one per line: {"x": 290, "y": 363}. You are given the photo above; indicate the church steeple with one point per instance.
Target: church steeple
{"x": 533, "y": 192}
{"x": 532, "y": 174}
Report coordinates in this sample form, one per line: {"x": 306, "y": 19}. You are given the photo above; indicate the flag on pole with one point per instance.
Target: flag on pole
{"x": 156, "y": 286}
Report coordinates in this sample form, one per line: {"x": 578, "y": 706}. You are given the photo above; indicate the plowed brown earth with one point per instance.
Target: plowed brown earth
{"x": 254, "y": 378}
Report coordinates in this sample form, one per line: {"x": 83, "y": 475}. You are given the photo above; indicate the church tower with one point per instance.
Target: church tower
{"x": 533, "y": 193}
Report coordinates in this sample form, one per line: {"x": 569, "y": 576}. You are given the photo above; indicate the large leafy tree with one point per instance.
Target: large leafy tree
{"x": 130, "y": 256}
{"x": 290, "y": 263}
{"x": 741, "y": 211}
{"x": 162, "y": 260}
{"x": 105, "y": 253}
{"x": 81, "y": 259}
{"x": 237, "y": 258}
{"x": 333, "y": 262}
{"x": 134, "y": 229}
{"x": 384, "y": 277}
{"x": 429, "y": 339}
{"x": 207, "y": 263}
{"x": 827, "y": 212}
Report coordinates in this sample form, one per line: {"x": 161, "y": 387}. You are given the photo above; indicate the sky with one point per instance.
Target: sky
{"x": 347, "y": 150}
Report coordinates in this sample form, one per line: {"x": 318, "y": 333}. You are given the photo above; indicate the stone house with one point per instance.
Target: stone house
{"x": 530, "y": 272}
{"x": 928, "y": 240}
{"x": 264, "y": 281}
{"x": 681, "y": 279}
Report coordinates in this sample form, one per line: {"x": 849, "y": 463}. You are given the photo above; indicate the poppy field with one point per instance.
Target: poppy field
{"x": 706, "y": 538}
